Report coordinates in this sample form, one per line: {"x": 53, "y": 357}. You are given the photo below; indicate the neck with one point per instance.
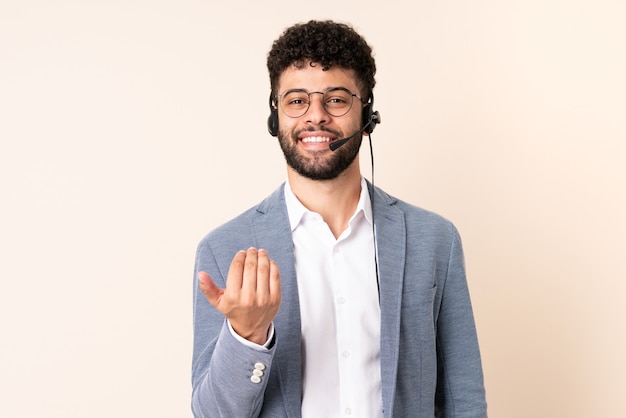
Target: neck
{"x": 335, "y": 200}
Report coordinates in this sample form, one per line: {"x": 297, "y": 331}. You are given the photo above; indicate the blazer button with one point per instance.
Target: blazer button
{"x": 255, "y": 379}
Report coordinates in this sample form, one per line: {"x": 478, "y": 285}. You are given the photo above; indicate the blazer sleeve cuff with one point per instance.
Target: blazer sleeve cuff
{"x": 265, "y": 347}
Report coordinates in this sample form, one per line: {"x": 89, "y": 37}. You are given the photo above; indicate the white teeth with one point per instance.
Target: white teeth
{"x": 315, "y": 139}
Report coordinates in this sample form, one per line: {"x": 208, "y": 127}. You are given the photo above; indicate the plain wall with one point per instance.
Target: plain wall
{"x": 131, "y": 128}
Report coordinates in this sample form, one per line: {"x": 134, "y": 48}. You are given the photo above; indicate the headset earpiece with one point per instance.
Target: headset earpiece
{"x": 272, "y": 120}
{"x": 370, "y": 117}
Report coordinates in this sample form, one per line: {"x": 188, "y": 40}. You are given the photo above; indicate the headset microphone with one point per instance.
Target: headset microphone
{"x": 334, "y": 146}
{"x": 373, "y": 119}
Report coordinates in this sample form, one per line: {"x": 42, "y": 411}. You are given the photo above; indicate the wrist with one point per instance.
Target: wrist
{"x": 261, "y": 338}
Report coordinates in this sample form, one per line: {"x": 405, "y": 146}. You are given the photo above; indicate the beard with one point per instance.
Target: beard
{"x": 318, "y": 165}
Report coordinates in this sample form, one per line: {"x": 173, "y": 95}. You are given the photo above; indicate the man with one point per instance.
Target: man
{"x": 345, "y": 318}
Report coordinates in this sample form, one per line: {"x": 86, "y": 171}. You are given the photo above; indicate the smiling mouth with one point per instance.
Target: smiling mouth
{"x": 315, "y": 139}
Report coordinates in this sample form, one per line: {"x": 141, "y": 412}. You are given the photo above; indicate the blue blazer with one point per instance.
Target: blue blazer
{"x": 430, "y": 360}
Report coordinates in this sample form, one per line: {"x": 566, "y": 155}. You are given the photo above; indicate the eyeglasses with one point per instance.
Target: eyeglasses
{"x": 337, "y": 101}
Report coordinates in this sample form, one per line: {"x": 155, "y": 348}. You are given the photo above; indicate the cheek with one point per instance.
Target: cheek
{"x": 288, "y": 126}
{"x": 285, "y": 123}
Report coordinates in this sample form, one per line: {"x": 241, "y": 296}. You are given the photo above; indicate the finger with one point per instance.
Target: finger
{"x": 263, "y": 276}
{"x": 274, "y": 281}
{"x": 248, "y": 287}
{"x": 209, "y": 288}
{"x": 235, "y": 273}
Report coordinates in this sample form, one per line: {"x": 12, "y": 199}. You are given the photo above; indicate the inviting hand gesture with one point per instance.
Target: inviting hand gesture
{"x": 251, "y": 298}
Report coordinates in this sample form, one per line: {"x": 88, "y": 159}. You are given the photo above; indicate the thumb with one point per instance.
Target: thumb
{"x": 209, "y": 288}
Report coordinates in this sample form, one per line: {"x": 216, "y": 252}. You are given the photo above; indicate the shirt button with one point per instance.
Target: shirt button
{"x": 345, "y": 354}
{"x": 341, "y": 300}
{"x": 348, "y": 411}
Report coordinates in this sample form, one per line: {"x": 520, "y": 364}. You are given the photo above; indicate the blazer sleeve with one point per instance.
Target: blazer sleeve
{"x": 460, "y": 385}
{"x": 222, "y": 367}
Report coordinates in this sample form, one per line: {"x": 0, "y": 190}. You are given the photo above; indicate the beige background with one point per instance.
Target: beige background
{"x": 131, "y": 128}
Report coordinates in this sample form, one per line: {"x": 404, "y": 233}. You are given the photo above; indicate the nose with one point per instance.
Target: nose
{"x": 316, "y": 114}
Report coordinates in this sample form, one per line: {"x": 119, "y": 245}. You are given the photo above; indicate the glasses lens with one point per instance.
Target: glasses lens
{"x": 295, "y": 103}
{"x": 337, "y": 102}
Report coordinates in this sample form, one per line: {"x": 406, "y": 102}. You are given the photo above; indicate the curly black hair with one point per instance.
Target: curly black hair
{"x": 326, "y": 43}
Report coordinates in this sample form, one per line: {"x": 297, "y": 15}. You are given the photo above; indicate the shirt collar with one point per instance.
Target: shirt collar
{"x": 296, "y": 209}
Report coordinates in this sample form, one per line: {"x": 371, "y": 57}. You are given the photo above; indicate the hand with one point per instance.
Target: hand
{"x": 251, "y": 298}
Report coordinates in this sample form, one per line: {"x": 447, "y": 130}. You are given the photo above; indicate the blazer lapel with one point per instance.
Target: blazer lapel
{"x": 391, "y": 243}
{"x": 273, "y": 232}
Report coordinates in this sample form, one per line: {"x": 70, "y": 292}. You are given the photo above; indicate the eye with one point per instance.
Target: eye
{"x": 336, "y": 100}
{"x": 295, "y": 99}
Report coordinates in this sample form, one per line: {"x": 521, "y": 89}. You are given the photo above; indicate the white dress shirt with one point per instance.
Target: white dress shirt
{"x": 340, "y": 312}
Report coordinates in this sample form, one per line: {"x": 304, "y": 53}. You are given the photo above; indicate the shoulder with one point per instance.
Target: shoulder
{"x": 238, "y": 233}
{"x": 415, "y": 218}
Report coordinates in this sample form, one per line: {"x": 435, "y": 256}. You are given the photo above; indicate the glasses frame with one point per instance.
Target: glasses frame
{"x": 323, "y": 93}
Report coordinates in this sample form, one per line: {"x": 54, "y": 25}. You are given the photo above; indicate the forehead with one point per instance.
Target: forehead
{"x": 314, "y": 78}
